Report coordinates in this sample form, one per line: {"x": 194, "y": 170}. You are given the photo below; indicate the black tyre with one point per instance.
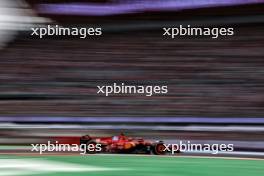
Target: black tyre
{"x": 88, "y": 147}
{"x": 159, "y": 149}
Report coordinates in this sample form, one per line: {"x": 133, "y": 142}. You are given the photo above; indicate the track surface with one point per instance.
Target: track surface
{"x": 116, "y": 165}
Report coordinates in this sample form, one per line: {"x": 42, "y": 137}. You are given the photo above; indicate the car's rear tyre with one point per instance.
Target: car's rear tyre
{"x": 159, "y": 149}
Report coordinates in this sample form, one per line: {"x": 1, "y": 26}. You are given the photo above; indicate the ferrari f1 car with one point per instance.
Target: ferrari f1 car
{"x": 123, "y": 144}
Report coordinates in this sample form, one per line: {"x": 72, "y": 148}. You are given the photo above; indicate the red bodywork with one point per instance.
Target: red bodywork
{"x": 121, "y": 144}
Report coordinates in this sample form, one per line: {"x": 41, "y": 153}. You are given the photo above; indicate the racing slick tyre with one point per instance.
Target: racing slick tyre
{"x": 89, "y": 145}
{"x": 159, "y": 148}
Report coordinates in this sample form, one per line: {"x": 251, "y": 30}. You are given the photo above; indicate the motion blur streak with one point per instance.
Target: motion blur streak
{"x": 133, "y": 6}
{"x": 128, "y": 120}
{"x": 15, "y": 15}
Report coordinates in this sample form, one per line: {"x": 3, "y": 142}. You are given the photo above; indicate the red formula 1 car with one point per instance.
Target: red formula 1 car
{"x": 123, "y": 144}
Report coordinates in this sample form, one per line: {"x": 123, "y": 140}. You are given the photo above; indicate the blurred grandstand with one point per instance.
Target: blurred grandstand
{"x": 48, "y": 87}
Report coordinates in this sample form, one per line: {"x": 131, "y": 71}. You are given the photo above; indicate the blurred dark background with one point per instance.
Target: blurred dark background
{"x": 206, "y": 77}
